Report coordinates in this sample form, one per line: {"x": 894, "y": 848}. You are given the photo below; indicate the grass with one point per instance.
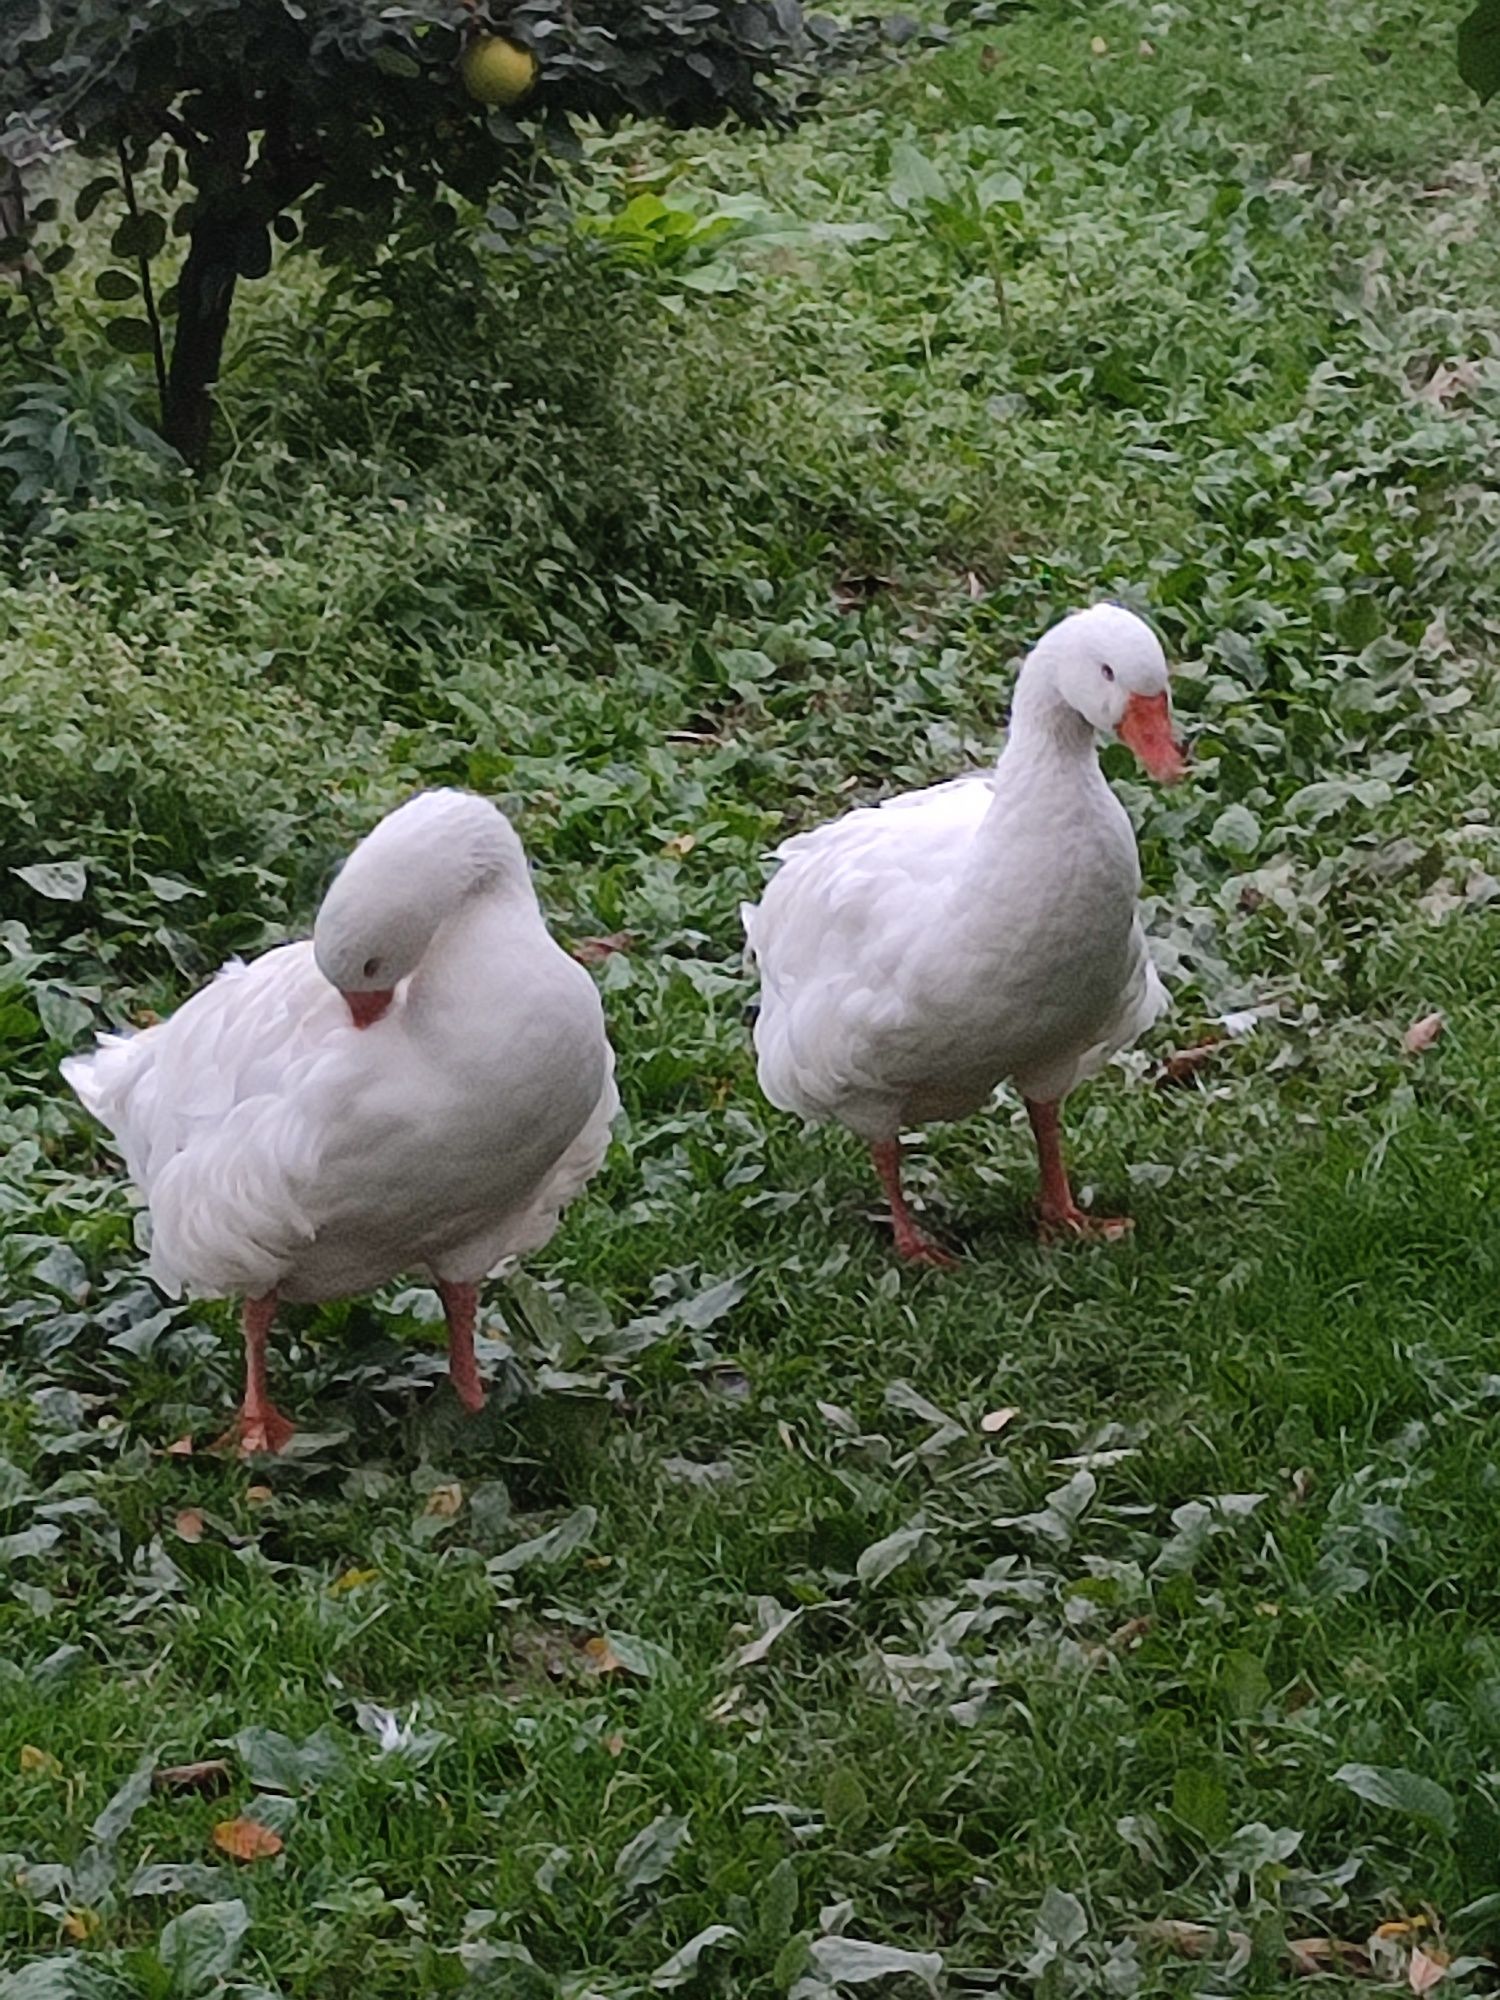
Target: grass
{"x": 1022, "y": 1694}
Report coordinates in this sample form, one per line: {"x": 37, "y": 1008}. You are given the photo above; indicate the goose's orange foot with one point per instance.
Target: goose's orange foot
{"x": 913, "y": 1245}
{"x": 260, "y": 1431}
{"x": 1076, "y": 1225}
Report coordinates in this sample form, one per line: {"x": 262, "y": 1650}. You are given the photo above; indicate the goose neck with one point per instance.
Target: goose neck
{"x": 1043, "y": 724}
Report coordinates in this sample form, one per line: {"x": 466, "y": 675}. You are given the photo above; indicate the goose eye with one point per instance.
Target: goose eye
{"x": 372, "y": 965}
{"x": 1108, "y": 672}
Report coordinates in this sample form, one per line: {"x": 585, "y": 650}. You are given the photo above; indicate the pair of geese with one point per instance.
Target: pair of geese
{"x": 428, "y": 1080}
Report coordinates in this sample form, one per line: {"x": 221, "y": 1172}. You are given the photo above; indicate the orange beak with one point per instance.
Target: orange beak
{"x": 1146, "y": 728}
{"x": 367, "y": 1008}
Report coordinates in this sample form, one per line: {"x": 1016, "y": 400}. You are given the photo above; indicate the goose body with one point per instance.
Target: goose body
{"x": 915, "y": 955}
{"x": 425, "y": 1084}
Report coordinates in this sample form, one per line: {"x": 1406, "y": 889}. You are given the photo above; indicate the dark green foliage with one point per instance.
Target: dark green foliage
{"x": 1479, "y": 49}
{"x": 343, "y": 123}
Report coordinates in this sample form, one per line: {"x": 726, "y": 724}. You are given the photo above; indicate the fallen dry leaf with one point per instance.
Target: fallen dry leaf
{"x": 614, "y": 1744}
{"x": 443, "y": 1502}
{"x": 1422, "y": 1034}
{"x": 1193, "y": 1940}
{"x": 258, "y": 1495}
{"x": 189, "y": 1524}
{"x": 679, "y": 845}
{"x": 1099, "y": 46}
{"x": 1144, "y": 49}
{"x": 352, "y": 1579}
{"x": 180, "y": 1448}
{"x": 247, "y": 1840}
{"x": 1425, "y": 1971}
{"x": 39, "y": 1763}
{"x": 595, "y": 950}
{"x": 1306, "y": 1957}
{"x": 1184, "y": 1064}
{"x": 210, "y": 1777}
{"x": 1446, "y": 384}
{"x": 80, "y": 1925}
{"x": 1400, "y": 1927}
{"x": 996, "y": 1420}
{"x": 601, "y": 1656}
{"x": 1129, "y": 1635}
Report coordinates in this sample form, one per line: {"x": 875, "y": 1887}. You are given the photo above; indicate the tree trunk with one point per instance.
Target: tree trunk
{"x": 12, "y": 211}
{"x": 205, "y": 293}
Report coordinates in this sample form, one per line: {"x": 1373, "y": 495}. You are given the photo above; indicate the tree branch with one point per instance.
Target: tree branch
{"x": 180, "y": 130}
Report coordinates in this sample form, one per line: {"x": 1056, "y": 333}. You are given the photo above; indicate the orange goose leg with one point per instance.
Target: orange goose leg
{"x": 260, "y": 1426}
{"x": 914, "y": 1245}
{"x": 461, "y": 1309}
{"x": 1060, "y": 1215}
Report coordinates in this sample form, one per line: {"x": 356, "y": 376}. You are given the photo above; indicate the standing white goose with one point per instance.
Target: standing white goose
{"x": 917, "y": 954}
{"x": 427, "y": 1082}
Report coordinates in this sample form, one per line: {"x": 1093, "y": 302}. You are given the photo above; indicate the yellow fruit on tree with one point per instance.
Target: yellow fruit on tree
{"x": 497, "y": 71}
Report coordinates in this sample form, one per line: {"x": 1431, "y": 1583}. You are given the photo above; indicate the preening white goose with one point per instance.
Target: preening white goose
{"x": 915, "y": 955}
{"x": 426, "y": 1082}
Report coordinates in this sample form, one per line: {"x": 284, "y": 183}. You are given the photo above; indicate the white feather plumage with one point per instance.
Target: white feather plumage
{"x": 281, "y": 1148}
{"x": 915, "y": 955}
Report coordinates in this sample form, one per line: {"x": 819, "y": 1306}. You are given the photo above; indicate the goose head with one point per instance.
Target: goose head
{"x": 405, "y": 879}
{"x": 1108, "y": 665}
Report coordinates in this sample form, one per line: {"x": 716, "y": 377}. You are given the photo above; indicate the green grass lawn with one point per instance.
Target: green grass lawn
{"x": 732, "y": 1648}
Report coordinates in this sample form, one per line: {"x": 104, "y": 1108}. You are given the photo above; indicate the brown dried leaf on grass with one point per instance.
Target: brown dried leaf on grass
{"x": 1192, "y": 1940}
{"x": 1182, "y": 1065}
{"x": 1312, "y": 1957}
{"x": 595, "y": 950}
{"x": 1421, "y": 1035}
{"x": 209, "y": 1777}
{"x": 1447, "y": 383}
{"x": 1426, "y": 1970}
{"x": 1125, "y": 1638}
{"x": 189, "y": 1524}
{"x": 1308, "y": 1957}
{"x": 247, "y": 1840}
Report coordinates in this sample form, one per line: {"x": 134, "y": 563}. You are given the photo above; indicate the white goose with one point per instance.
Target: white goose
{"x": 427, "y": 1082}
{"x": 915, "y": 955}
